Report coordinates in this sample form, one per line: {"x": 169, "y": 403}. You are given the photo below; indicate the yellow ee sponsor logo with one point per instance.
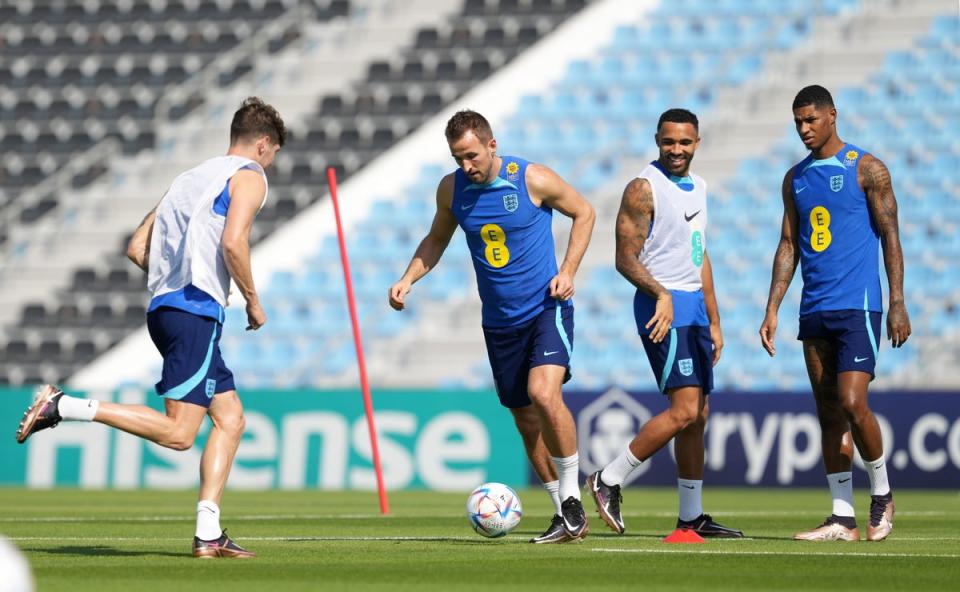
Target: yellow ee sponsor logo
{"x": 820, "y": 237}
{"x": 496, "y": 253}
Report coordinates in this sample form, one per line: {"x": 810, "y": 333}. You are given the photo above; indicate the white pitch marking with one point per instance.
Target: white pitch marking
{"x": 254, "y": 538}
{"x": 294, "y": 539}
{"x": 803, "y": 553}
{"x": 252, "y": 517}
{"x": 264, "y": 517}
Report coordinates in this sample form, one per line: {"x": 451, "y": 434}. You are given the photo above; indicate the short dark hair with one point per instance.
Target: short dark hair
{"x": 814, "y": 95}
{"x": 465, "y": 121}
{"x": 254, "y": 119}
{"x": 678, "y": 116}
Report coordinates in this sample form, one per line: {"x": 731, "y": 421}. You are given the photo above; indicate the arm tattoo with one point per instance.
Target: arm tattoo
{"x": 633, "y": 228}
{"x": 787, "y": 256}
{"x": 878, "y": 187}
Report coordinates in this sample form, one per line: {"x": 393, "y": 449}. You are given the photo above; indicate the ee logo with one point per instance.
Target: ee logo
{"x": 820, "y": 237}
{"x": 496, "y": 252}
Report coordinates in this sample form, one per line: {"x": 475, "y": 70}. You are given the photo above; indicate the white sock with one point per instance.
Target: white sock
{"x": 208, "y": 521}
{"x": 841, "y": 490}
{"x": 553, "y": 488}
{"x": 877, "y": 471}
{"x": 691, "y": 501}
{"x": 568, "y": 468}
{"x": 74, "y": 409}
{"x": 617, "y": 471}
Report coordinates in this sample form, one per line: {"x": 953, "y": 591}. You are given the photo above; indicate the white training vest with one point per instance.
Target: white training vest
{"x": 673, "y": 251}
{"x": 185, "y": 247}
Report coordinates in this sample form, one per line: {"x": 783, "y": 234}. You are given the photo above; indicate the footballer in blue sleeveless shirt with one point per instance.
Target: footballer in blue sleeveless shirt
{"x": 511, "y": 244}
{"x": 839, "y": 244}
{"x": 505, "y": 205}
{"x": 839, "y": 209}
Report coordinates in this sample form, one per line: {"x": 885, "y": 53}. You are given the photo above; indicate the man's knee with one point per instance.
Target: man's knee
{"x": 854, "y": 406}
{"x": 685, "y": 408}
{"x": 179, "y": 439}
{"x": 545, "y": 386}
{"x": 684, "y": 415}
{"x": 703, "y": 415}
{"x": 233, "y": 423}
{"x": 544, "y": 397}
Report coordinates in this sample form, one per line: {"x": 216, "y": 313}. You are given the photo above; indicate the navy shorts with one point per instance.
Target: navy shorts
{"x": 193, "y": 369}
{"x": 683, "y": 358}
{"x": 547, "y": 339}
{"x": 856, "y": 334}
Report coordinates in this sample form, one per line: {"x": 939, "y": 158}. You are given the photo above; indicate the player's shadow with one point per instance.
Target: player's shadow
{"x": 102, "y": 551}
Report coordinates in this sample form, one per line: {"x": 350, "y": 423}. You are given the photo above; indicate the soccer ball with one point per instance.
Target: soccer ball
{"x": 494, "y": 510}
{"x": 14, "y": 569}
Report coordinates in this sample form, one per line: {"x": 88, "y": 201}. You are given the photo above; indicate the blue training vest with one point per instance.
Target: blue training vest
{"x": 511, "y": 244}
{"x": 839, "y": 243}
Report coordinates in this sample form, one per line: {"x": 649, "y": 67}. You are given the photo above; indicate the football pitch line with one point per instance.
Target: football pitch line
{"x": 265, "y": 517}
{"x": 514, "y": 540}
{"x": 780, "y": 553}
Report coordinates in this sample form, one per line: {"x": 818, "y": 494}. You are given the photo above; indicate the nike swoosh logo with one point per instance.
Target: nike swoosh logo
{"x": 800, "y": 189}
{"x": 858, "y": 359}
{"x": 843, "y": 480}
{"x": 690, "y": 217}
{"x": 548, "y": 354}
{"x": 568, "y": 526}
{"x": 688, "y": 486}
{"x": 467, "y": 207}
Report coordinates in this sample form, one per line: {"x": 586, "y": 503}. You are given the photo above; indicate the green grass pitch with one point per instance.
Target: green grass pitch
{"x": 140, "y": 540}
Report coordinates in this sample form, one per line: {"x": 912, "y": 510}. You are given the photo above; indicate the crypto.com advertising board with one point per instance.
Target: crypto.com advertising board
{"x": 773, "y": 439}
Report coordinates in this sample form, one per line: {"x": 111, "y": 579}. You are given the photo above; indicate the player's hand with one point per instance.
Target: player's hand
{"x": 561, "y": 286}
{"x": 398, "y": 294}
{"x": 717, "y": 336}
{"x": 662, "y": 318}
{"x": 898, "y": 324}
{"x": 767, "y": 331}
{"x": 256, "y": 316}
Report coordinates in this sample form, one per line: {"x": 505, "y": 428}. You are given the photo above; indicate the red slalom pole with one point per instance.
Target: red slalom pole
{"x": 364, "y": 384}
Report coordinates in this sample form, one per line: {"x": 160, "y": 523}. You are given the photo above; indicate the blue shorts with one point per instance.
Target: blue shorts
{"x": 683, "y": 358}
{"x": 547, "y": 339}
{"x": 193, "y": 369}
{"x": 856, "y": 334}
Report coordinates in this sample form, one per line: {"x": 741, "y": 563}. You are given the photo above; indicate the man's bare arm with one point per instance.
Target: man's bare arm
{"x": 878, "y": 187}
{"x": 713, "y": 309}
{"x": 554, "y": 192}
{"x": 247, "y": 191}
{"x": 784, "y": 264}
{"x": 788, "y": 250}
{"x": 633, "y": 227}
{"x": 138, "y": 249}
{"x": 432, "y": 246}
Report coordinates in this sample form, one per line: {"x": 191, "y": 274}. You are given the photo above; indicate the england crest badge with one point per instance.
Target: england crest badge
{"x": 511, "y": 202}
{"x": 836, "y": 183}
